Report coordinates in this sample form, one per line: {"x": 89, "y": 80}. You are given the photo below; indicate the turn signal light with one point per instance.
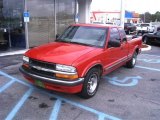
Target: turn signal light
{"x": 71, "y": 77}
{"x": 26, "y": 65}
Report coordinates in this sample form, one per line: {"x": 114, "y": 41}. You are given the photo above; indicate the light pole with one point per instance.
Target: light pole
{"x": 144, "y": 17}
{"x": 26, "y": 26}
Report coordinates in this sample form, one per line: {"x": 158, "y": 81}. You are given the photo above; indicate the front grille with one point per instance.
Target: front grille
{"x": 33, "y": 62}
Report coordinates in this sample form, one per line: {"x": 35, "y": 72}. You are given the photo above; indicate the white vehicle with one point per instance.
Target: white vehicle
{"x": 151, "y": 29}
{"x": 156, "y": 28}
{"x": 143, "y": 28}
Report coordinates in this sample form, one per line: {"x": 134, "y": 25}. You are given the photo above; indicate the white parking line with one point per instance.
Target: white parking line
{"x": 151, "y": 55}
{"x": 148, "y": 68}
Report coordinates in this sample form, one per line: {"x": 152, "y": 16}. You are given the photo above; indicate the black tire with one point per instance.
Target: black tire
{"x": 90, "y": 84}
{"x": 132, "y": 62}
{"x": 145, "y": 40}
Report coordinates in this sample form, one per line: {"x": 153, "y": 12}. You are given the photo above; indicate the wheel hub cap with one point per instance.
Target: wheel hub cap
{"x": 134, "y": 61}
{"x": 92, "y": 83}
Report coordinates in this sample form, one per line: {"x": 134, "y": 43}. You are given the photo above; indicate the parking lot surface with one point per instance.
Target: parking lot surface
{"x": 129, "y": 94}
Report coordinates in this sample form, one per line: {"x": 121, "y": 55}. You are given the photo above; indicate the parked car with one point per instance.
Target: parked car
{"x": 151, "y": 38}
{"x": 129, "y": 27}
{"x": 157, "y": 28}
{"x": 75, "y": 62}
{"x": 151, "y": 29}
{"x": 143, "y": 28}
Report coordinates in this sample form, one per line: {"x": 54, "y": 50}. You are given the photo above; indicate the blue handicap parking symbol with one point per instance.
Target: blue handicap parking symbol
{"x": 126, "y": 82}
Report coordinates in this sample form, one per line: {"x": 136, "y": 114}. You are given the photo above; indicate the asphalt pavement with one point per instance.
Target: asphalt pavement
{"x": 127, "y": 94}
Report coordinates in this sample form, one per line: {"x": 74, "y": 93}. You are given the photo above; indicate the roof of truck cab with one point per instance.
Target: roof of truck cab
{"x": 96, "y": 25}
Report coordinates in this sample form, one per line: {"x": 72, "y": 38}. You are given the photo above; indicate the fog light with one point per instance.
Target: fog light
{"x": 71, "y": 77}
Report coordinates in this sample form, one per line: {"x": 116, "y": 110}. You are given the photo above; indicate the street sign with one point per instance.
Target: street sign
{"x": 26, "y": 16}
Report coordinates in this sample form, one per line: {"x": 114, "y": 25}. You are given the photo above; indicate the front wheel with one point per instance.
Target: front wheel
{"x": 132, "y": 62}
{"x": 90, "y": 84}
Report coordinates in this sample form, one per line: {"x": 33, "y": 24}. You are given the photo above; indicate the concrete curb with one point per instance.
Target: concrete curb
{"x": 13, "y": 53}
{"x": 147, "y": 48}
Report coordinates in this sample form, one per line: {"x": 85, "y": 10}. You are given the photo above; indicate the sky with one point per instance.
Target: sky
{"x": 139, "y": 6}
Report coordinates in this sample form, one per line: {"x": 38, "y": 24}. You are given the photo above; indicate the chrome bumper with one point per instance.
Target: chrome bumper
{"x": 51, "y": 80}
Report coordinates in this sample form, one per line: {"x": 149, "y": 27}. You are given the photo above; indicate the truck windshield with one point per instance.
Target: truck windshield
{"x": 89, "y": 36}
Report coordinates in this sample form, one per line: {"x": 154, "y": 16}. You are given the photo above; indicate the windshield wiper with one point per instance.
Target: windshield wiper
{"x": 81, "y": 43}
{"x": 61, "y": 40}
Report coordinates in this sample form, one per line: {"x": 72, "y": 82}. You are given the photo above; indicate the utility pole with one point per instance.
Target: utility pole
{"x": 122, "y": 18}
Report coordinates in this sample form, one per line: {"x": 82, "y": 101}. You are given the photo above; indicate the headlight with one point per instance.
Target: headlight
{"x": 25, "y": 59}
{"x": 65, "y": 68}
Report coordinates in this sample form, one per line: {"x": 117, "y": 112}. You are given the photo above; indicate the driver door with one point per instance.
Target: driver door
{"x": 114, "y": 56}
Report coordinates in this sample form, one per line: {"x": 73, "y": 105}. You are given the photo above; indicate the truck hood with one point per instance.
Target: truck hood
{"x": 58, "y": 52}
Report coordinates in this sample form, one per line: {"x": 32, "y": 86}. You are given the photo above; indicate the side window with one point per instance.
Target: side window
{"x": 114, "y": 34}
{"x": 122, "y": 32}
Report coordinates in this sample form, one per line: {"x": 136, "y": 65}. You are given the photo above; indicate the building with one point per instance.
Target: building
{"x": 46, "y": 19}
{"x": 114, "y": 17}
{"x": 132, "y": 17}
{"x": 106, "y": 17}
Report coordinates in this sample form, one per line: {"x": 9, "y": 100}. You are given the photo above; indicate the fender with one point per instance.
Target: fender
{"x": 135, "y": 49}
{"x": 89, "y": 66}
{"x": 132, "y": 52}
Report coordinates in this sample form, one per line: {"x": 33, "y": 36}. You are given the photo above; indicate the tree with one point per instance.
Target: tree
{"x": 156, "y": 17}
{"x": 146, "y": 17}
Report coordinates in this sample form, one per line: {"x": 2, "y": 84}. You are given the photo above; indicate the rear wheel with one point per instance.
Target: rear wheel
{"x": 132, "y": 62}
{"x": 90, "y": 84}
{"x": 145, "y": 41}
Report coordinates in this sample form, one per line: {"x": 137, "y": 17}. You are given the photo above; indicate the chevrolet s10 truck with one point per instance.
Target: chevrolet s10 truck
{"x": 75, "y": 62}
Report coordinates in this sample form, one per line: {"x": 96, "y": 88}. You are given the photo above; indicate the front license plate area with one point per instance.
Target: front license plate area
{"x": 39, "y": 83}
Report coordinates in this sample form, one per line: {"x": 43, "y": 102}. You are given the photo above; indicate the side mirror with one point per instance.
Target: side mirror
{"x": 124, "y": 40}
{"x": 57, "y": 35}
{"x": 114, "y": 43}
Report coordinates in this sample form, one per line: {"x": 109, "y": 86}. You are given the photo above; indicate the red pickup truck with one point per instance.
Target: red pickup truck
{"x": 75, "y": 62}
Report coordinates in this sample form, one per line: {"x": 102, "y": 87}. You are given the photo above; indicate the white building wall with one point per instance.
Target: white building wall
{"x": 84, "y": 11}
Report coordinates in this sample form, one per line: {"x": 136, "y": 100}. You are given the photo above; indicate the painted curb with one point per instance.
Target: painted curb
{"x": 13, "y": 53}
{"x": 147, "y": 48}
